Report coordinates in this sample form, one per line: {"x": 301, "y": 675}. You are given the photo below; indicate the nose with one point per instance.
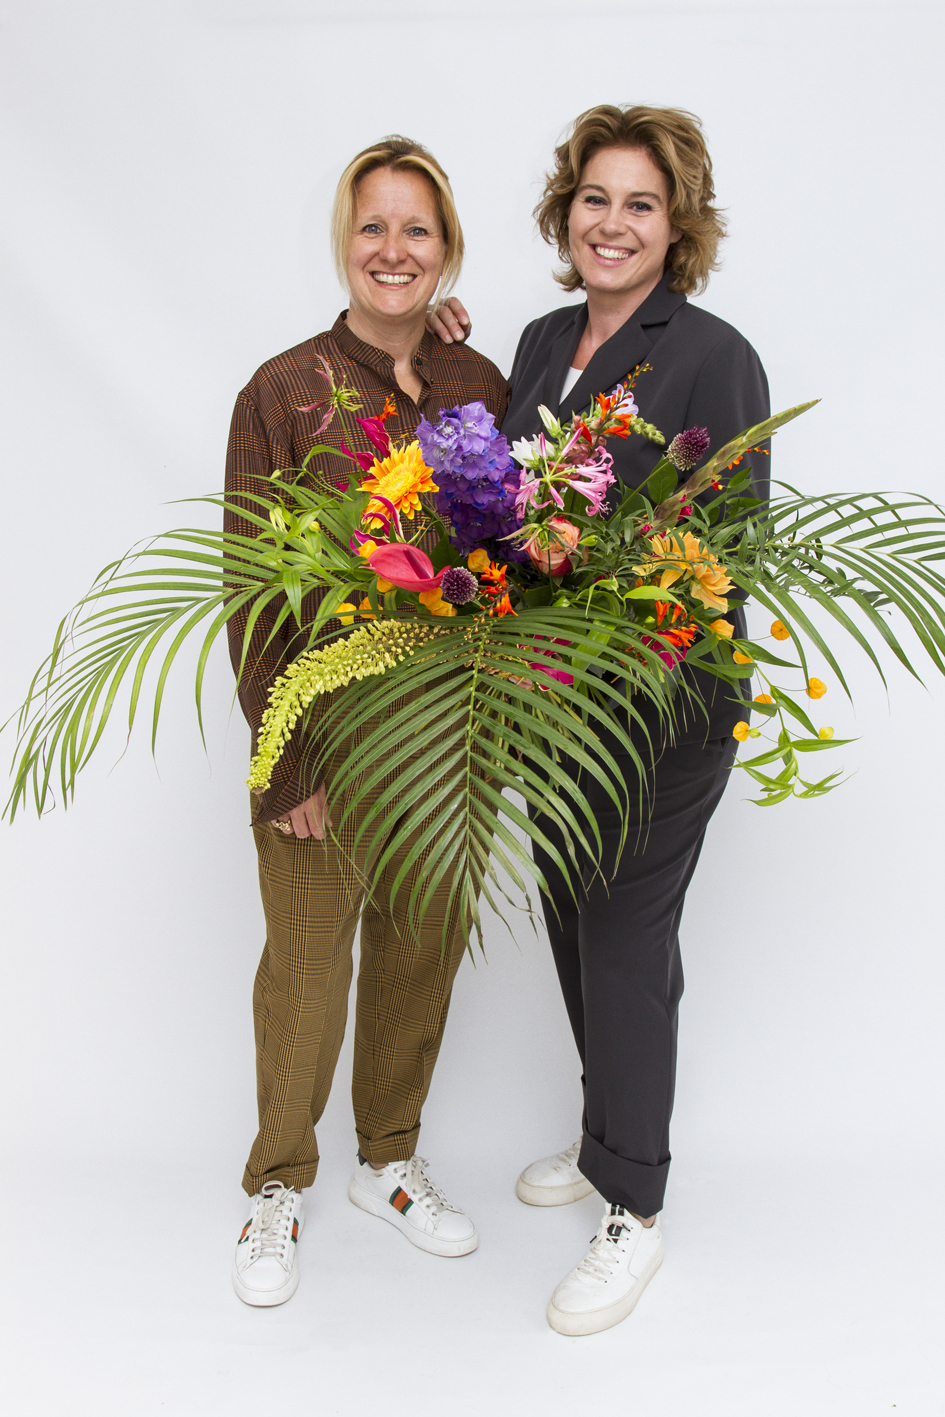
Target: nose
{"x": 393, "y": 250}
{"x": 613, "y": 222}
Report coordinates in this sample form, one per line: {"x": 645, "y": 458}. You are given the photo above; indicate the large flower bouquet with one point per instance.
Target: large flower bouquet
{"x": 557, "y": 615}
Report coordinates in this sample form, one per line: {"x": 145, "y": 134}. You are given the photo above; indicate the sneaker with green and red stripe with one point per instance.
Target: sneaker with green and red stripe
{"x": 403, "y": 1194}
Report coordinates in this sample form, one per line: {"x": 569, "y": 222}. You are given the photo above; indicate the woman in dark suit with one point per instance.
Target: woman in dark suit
{"x": 629, "y": 206}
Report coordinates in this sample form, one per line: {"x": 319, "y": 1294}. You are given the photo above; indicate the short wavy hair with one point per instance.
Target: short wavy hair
{"x": 673, "y": 139}
{"x": 403, "y": 155}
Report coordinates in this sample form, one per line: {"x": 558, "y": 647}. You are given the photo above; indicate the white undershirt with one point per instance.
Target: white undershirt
{"x": 570, "y": 379}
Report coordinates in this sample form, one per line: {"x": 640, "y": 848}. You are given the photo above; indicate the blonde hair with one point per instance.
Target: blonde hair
{"x": 673, "y": 139}
{"x": 402, "y": 155}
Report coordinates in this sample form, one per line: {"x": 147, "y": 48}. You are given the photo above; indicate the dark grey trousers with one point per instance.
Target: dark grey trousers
{"x": 620, "y": 970}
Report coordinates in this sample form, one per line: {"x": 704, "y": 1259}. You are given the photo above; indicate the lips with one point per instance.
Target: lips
{"x": 388, "y": 278}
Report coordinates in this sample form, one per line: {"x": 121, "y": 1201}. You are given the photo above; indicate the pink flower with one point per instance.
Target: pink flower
{"x": 593, "y": 480}
{"x": 406, "y": 567}
{"x": 553, "y": 556}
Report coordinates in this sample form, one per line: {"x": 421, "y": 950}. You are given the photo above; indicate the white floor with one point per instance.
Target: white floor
{"x": 119, "y": 1302}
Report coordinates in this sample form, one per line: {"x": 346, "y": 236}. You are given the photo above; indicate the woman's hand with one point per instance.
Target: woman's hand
{"x": 449, "y": 321}
{"x": 307, "y": 819}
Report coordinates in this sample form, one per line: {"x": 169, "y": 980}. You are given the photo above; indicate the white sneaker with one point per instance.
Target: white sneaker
{"x": 605, "y": 1286}
{"x": 404, "y": 1194}
{"x": 554, "y": 1180}
{"x": 265, "y": 1267}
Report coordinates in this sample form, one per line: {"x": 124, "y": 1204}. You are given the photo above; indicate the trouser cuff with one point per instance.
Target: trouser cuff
{"x": 297, "y": 1177}
{"x": 633, "y": 1184}
{"x": 399, "y": 1146}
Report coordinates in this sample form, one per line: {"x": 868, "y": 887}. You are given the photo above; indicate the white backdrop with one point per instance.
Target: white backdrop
{"x": 169, "y": 169}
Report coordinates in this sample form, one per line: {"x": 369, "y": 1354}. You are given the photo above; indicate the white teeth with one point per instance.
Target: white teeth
{"x": 386, "y": 279}
{"x": 611, "y": 253}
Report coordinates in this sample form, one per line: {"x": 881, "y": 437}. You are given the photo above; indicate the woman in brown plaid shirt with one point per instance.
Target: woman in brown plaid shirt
{"x": 397, "y": 244}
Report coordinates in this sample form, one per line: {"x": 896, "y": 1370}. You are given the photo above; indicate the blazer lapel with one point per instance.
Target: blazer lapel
{"x": 622, "y": 352}
{"x": 560, "y": 354}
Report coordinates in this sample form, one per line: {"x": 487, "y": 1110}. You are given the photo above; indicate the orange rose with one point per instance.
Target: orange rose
{"x": 549, "y": 548}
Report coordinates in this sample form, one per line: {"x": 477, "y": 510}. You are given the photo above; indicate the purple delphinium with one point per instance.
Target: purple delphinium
{"x": 688, "y": 447}
{"x": 476, "y": 478}
{"x": 458, "y": 585}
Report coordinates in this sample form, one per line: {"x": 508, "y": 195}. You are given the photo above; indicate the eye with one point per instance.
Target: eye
{"x": 372, "y": 229}
{"x": 417, "y": 231}
{"x": 593, "y": 200}
{"x": 641, "y": 207}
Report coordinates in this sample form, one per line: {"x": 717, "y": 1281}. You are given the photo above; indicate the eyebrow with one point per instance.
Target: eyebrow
{"x": 410, "y": 221}
{"x": 596, "y": 187}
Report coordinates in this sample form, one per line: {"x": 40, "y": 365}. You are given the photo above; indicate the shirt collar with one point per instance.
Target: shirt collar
{"x": 379, "y": 359}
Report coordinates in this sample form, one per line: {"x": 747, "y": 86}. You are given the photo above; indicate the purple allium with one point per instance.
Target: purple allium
{"x": 476, "y": 477}
{"x": 458, "y": 585}
{"x": 688, "y": 447}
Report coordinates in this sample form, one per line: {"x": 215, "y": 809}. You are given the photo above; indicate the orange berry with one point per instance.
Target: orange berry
{"x": 741, "y": 731}
{"x": 816, "y": 688}
{"x": 780, "y": 630}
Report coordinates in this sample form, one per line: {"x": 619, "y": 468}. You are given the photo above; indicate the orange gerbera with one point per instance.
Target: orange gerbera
{"x": 682, "y": 556}
{"x": 401, "y": 478}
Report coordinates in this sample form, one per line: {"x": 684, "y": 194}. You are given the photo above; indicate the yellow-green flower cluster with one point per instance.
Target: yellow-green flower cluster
{"x": 369, "y": 650}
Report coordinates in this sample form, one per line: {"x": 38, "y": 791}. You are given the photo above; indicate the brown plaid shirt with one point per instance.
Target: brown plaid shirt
{"x": 268, "y": 431}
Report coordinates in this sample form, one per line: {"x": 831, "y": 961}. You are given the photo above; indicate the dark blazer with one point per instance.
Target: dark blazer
{"x": 704, "y": 373}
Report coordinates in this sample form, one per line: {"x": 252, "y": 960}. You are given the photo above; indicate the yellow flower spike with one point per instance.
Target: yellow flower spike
{"x": 816, "y": 688}
{"x": 367, "y": 549}
{"x": 346, "y": 613}
{"x": 740, "y": 658}
{"x": 825, "y": 733}
{"x": 724, "y": 630}
{"x": 741, "y": 731}
{"x": 383, "y": 585}
{"x": 478, "y": 561}
{"x": 763, "y": 699}
{"x": 780, "y": 630}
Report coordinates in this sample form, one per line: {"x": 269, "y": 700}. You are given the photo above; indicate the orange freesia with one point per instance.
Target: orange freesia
{"x": 682, "y": 556}
{"x": 494, "y": 587}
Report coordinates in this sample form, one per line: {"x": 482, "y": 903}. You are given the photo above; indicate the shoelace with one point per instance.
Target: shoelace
{"x": 269, "y": 1232}
{"x": 568, "y": 1157}
{"x": 419, "y": 1187}
{"x": 608, "y": 1245}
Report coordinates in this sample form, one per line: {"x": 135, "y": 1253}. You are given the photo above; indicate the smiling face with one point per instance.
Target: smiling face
{"x": 619, "y": 228}
{"x": 397, "y": 249}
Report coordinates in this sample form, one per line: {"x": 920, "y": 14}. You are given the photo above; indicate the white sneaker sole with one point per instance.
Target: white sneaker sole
{"x": 552, "y": 1195}
{"x": 579, "y": 1325}
{"x": 268, "y": 1298}
{"x": 374, "y": 1205}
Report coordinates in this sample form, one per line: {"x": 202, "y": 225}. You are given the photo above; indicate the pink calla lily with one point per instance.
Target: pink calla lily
{"x": 406, "y": 567}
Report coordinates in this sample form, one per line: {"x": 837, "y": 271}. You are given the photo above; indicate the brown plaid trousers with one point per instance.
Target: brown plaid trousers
{"x": 312, "y": 891}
